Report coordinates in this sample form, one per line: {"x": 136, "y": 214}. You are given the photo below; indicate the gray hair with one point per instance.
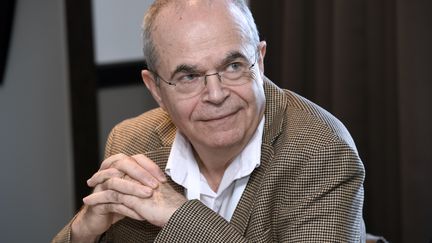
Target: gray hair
{"x": 149, "y": 49}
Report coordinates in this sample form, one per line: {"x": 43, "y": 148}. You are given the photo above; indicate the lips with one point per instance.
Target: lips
{"x": 216, "y": 117}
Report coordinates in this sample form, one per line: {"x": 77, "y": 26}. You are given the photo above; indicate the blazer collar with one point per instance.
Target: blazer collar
{"x": 276, "y": 103}
{"x": 166, "y": 130}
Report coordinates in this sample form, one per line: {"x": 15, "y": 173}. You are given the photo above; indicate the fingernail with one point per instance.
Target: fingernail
{"x": 148, "y": 192}
{"x": 153, "y": 183}
{"x": 162, "y": 177}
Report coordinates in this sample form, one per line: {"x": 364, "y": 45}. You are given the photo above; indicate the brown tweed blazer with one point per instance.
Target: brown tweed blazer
{"x": 308, "y": 188}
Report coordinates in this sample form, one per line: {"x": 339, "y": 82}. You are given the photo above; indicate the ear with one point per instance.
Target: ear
{"x": 262, "y": 51}
{"x": 153, "y": 87}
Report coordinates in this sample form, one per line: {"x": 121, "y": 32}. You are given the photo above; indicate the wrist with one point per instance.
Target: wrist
{"x": 80, "y": 232}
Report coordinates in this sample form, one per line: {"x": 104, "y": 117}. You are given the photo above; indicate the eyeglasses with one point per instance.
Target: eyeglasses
{"x": 236, "y": 72}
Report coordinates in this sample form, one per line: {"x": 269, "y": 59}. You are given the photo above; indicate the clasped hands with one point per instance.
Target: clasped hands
{"x": 125, "y": 186}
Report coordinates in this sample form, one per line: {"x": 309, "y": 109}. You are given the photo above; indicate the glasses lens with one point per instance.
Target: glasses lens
{"x": 189, "y": 86}
{"x": 236, "y": 73}
{"x": 239, "y": 75}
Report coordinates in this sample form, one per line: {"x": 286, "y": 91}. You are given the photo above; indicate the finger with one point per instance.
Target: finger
{"x": 128, "y": 178}
{"x": 150, "y": 166}
{"x": 124, "y": 165}
{"x": 157, "y": 209}
{"x": 117, "y": 209}
{"x": 103, "y": 175}
{"x": 130, "y": 204}
{"x": 110, "y": 160}
{"x": 130, "y": 167}
{"x": 128, "y": 186}
{"x": 102, "y": 197}
{"x": 113, "y": 196}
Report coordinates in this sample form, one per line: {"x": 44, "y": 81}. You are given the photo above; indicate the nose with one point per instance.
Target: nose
{"x": 215, "y": 92}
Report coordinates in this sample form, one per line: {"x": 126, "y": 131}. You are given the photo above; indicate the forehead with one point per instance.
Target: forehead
{"x": 196, "y": 30}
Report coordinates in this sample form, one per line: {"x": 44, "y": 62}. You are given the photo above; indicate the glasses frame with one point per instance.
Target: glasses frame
{"x": 218, "y": 74}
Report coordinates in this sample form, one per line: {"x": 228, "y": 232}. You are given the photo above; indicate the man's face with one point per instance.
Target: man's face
{"x": 203, "y": 37}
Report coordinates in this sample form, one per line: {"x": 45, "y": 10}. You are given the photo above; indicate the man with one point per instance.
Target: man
{"x": 244, "y": 160}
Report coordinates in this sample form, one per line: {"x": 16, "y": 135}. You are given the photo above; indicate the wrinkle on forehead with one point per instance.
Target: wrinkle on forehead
{"x": 191, "y": 12}
{"x": 183, "y": 27}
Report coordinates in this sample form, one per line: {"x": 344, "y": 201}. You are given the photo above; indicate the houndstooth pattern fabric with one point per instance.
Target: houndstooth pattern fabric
{"x": 309, "y": 187}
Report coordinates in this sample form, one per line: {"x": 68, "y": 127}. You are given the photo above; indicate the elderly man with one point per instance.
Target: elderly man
{"x": 245, "y": 161}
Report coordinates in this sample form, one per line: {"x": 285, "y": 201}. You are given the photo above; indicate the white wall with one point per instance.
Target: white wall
{"x": 117, "y": 38}
{"x": 35, "y": 138}
{"x": 116, "y": 25}
{"x": 117, "y": 34}
{"x": 119, "y": 103}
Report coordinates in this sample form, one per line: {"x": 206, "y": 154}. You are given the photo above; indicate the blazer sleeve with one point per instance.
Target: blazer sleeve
{"x": 329, "y": 200}
{"x": 64, "y": 236}
{"x": 194, "y": 222}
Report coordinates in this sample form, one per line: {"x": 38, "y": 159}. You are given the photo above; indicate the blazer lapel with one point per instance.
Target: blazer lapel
{"x": 245, "y": 206}
{"x": 276, "y": 102}
{"x": 166, "y": 132}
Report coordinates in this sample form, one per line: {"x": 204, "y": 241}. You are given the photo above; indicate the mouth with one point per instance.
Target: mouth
{"x": 219, "y": 117}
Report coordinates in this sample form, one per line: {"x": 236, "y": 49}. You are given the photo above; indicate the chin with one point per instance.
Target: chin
{"x": 224, "y": 139}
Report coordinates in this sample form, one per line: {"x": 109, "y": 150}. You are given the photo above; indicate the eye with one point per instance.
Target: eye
{"x": 235, "y": 67}
{"x": 187, "y": 78}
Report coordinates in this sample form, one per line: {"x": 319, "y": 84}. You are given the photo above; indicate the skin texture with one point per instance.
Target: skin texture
{"x": 125, "y": 186}
{"x": 219, "y": 122}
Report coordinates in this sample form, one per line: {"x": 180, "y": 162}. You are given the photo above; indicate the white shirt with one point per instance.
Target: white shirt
{"x": 183, "y": 169}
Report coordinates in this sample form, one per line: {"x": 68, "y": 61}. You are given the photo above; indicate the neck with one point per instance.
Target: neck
{"x": 212, "y": 164}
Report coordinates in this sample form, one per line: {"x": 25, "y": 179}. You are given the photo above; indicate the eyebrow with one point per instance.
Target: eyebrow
{"x": 186, "y": 68}
{"x": 232, "y": 56}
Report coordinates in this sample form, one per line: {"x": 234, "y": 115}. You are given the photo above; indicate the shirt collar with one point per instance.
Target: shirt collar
{"x": 183, "y": 168}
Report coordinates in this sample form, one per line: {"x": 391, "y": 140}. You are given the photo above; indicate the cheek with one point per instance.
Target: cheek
{"x": 255, "y": 98}
{"x": 179, "y": 110}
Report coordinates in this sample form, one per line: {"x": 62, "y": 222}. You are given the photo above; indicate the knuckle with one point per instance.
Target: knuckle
{"x": 123, "y": 163}
{"x": 115, "y": 173}
{"x": 111, "y": 165}
{"x": 130, "y": 160}
{"x": 108, "y": 207}
{"x": 121, "y": 155}
{"x": 118, "y": 156}
{"x": 153, "y": 166}
{"x": 110, "y": 171}
{"x": 113, "y": 196}
{"x": 128, "y": 201}
{"x": 109, "y": 184}
{"x": 139, "y": 156}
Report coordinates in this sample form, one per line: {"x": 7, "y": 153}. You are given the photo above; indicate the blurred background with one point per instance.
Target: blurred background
{"x": 70, "y": 70}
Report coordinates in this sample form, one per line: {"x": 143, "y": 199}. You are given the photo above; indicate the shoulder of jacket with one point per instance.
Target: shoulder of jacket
{"x": 316, "y": 119}
{"x": 148, "y": 131}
